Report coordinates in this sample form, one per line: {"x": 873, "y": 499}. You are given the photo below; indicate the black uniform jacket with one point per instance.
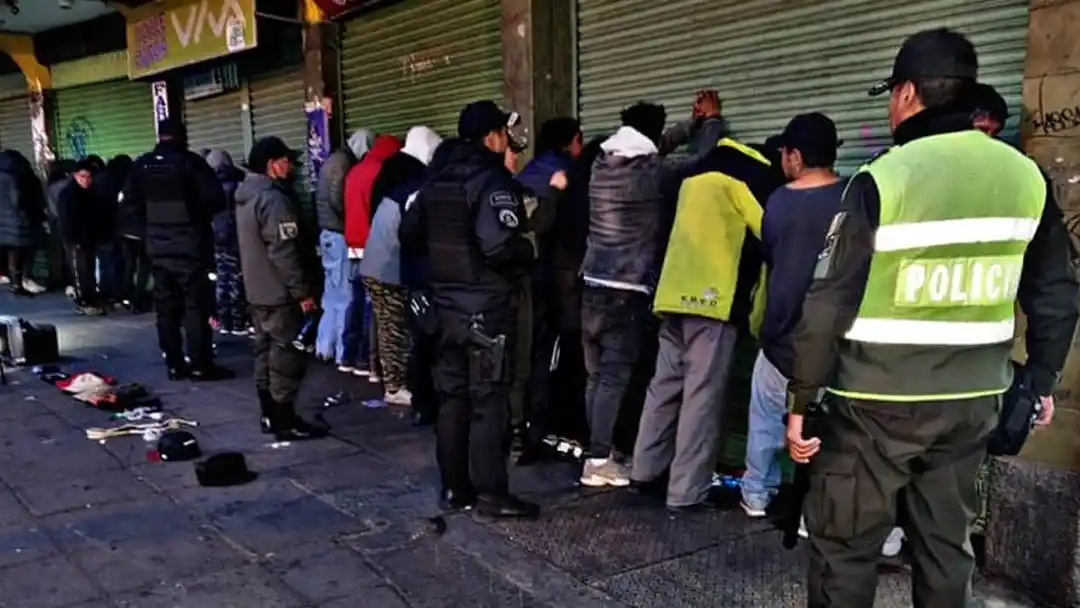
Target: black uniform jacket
{"x": 1047, "y": 294}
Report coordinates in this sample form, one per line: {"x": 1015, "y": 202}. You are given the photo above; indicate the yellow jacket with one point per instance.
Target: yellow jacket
{"x": 713, "y": 265}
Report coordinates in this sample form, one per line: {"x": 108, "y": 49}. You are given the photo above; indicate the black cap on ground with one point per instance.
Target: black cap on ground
{"x": 813, "y": 133}
{"x": 268, "y": 149}
{"x": 937, "y": 53}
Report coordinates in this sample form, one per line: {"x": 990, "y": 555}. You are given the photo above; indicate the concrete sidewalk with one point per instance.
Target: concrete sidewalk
{"x": 335, "y": 523}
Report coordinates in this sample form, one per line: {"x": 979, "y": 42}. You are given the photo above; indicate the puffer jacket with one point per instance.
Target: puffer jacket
{"x": 225, "y": 222}
{"x": 330, "y": 188}
{"x": 22, "y": 202}
{"x": 631, "y": 202}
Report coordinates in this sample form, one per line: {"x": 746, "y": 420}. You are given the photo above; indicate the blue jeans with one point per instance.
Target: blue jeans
{"x": 357, "y": 324}
{"x": 337, "y": 293}
{"x": 766, "y": 435}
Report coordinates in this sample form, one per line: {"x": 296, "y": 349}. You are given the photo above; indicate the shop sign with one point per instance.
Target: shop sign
{"x": 188, "y": 33}
{"x": 335, "y": 8}
{"x": 318, "y": 140}
{"x": 160, "y": 91}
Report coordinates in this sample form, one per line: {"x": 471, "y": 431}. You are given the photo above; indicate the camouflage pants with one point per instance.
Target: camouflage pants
{"x": 231, "y": 301}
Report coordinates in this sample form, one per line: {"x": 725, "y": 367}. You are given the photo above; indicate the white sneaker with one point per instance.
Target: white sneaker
{"x": 600, "y": 472}
{"x": 402, "y": 396}
{"x": 361, "y": 372}
{"x": 374, "y": 379}
{"x": 33, "y": 286}
{"x": 5, "y": 280}
{"x": 238, "y": 332}
{"x": 894, "y": 543}
{"x": 345, "y": 369}
{"x": 70, "y": 292}
{"x": 802, "y": 528}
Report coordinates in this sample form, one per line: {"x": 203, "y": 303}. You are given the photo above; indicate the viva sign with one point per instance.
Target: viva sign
{"x": 187, "y": 33}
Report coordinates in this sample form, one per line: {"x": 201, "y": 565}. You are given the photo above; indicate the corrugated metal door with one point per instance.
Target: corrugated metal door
{"x": 771, "y": 59}
{"x": 15, "y": 126}
{"x": 420, "y": 62}
{"x": 277, "y": 108}
{"x": 216, "y": 123}
{"x": 106, "y": 119}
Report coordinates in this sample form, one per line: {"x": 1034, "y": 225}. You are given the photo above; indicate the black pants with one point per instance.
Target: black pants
{"x": 83, "y": 268}
{"x": 135, "y": 279}
{"x": 612, "y": 330}
{"x": 544, "y": 334}
{"x": 111, "y": 263}
{"x": 16, "y": 262}
{"x": 279, "y": 366}
{"x": 875, "y": 454}
{"x": 474, "y": 409}
{"x": 184, "y": 301}
{"x": 420, "y": 375}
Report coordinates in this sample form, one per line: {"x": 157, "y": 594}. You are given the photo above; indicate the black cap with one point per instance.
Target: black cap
{"x": 172, "y": 127}
{"x": 986, "y": 100}
{"x": 480, "y": 118}
{"x": 809, "y": 133}
{"x": 268, "y": 149}
{"x": 938, "y": 53}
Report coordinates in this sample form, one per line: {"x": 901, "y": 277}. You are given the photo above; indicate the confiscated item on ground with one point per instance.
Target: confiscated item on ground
{"x": 225, "y": 469}
{"x": 26, "y": 343}
{"x": 156, "y": 429}
{"x": 176, "y": 446}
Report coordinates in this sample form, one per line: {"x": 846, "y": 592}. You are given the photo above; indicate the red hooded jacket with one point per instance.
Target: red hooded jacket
{"x": 358, "y": 184}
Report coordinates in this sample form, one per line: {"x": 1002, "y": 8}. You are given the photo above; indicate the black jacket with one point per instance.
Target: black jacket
{"x": 83, "y": 216}
{"x": 171, "y": 175}
{"x": 499, "y": 255}
{"x": 1047, "y": 293}
{"x": 272, "y": 259}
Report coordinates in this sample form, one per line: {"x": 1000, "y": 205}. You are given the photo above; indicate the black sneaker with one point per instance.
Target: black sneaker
{"x": 298, "y": 429}
{"x": 179, "y": 373}
{"x": 451, "y": 500}
{"x": 211, "y": 373}
{"x": 20, "y": 291}
{"x": 507, "y": 506}
{"x": 655, "y": 488}
{"x": 712, "y": 502}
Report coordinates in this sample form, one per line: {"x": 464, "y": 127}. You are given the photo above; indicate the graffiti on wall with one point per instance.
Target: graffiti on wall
{"x": 1055, "y": 120}
{"x": 78, "y": 134}
{"x": 414, "y": 65}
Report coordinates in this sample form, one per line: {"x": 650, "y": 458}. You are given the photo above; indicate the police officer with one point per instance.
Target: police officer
{"x": 277, "y": 281}
{"x": 176, "y": 194}
{"x": 470, "y": 219}
{"x": 909, "y": 324}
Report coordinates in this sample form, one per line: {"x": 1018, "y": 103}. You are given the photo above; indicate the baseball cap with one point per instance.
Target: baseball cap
{"x": 809, "y": 133}
{"x": 268, "y": 149}
{"x": 482, "y": 117}
{"x": 985, "y": 99}
{"x": 937, "y": 53}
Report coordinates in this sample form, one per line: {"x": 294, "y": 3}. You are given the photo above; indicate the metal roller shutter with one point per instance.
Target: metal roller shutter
{"x": 771, "y": 59}
{"x": 15, "y": 131}
{"x": 277, "y": 108}
{"x": 419, "y": 62}
{"x": 106, "y": 119}
{"x": 216, "y": 123}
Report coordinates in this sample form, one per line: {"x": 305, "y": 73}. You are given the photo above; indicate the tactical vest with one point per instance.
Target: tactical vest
{"x": 168, "y": 215}
{"x": 957, "y": 213}
{"x": 450, "y": 205}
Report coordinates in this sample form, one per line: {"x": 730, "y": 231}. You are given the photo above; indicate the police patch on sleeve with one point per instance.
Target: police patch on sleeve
{"x": 508, "y": 218}
{"x": 288, "y": 231}
{"x": 501, "y": 199}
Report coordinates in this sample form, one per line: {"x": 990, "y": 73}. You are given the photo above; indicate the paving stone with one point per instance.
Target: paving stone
{"x": 614, "y": 531}
{"x": 269, "y": 517}
{"x": 383, "y": 597}
{"x": 353, "y": 471}
{"x": 321, "y": 573}
{"x": 12, "y": 511}
{"x": 24, "y": 544}
{"x": 436, "y": 574}
{"x": 102, "y": 488}
{"x": 247, "y": 587}
{"x": 166, "y": 476}
{"x": 130, "y": 547}
{"x": 46, "y": 583}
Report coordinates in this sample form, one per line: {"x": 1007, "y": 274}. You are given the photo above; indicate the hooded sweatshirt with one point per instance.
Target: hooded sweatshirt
{"x": 225, "y": 222}
{"x": 330, "y": 188}
{"x": 358, "y": 186}
{"x": 398, "y": 181}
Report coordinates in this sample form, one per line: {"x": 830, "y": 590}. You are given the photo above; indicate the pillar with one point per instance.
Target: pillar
{"x": 538, "y": 76}
{"x": 321, "y": 88}
{"x": 1033, "y": 531}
